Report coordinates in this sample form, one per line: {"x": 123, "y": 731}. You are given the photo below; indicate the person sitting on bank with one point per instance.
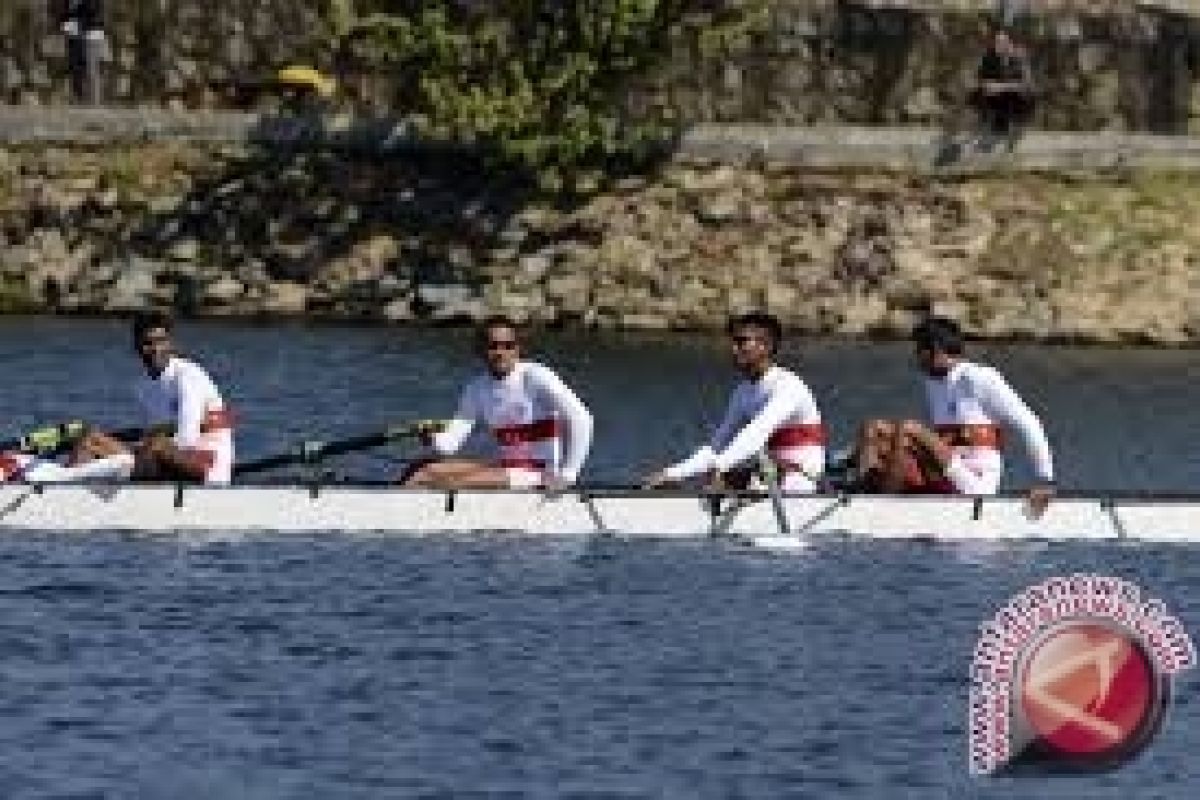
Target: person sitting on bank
{"x": 1004, "y": 92}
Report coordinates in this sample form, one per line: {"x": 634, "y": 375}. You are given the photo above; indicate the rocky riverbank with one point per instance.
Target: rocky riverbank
{"x": 224, "y": 229}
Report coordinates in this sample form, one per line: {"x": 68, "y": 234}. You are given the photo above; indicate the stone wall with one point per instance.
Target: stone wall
{"x": 1101, "y": 63}
{"x": 177, "y": 52}
{"x": 230, "y": 229}
{"x": 1098, "y": 65}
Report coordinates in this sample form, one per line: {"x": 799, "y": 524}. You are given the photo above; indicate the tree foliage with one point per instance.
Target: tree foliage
{"x": 538, "y": 84}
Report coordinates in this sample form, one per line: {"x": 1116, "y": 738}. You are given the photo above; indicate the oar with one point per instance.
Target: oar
{"x": 313, "y": 451}
{"x": 770, "y": 474}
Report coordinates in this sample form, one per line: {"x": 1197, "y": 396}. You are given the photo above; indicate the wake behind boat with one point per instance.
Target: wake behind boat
{"x": 633, "y": 513}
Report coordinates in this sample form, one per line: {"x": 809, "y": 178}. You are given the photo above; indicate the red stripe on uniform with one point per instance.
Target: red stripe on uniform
{"x": 216, "y": 419}
{"x": 971, "y": 435}
{"x": 539, "y": 431}
{"x": 798, "y": 436}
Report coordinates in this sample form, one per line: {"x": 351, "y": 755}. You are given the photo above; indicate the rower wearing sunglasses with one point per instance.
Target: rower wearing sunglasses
{"x": 541, "y": 428}
{"x": 772, "y": 421}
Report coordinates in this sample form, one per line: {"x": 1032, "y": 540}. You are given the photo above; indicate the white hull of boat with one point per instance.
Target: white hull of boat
{"x": 168, "y": 509}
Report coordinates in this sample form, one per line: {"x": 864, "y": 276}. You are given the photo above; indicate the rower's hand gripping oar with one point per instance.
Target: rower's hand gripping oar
{"x": 312, "y": 452}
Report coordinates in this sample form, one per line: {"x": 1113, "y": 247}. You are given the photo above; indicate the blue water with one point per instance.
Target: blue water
{"x": 339, "y": 666}
{"x": 353, "y": 667}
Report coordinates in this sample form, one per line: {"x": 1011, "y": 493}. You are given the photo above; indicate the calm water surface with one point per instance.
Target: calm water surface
{"x": 375, "y": 667}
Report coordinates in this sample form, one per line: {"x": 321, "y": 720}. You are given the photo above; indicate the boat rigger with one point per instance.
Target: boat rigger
{"x": 633, "y": 513}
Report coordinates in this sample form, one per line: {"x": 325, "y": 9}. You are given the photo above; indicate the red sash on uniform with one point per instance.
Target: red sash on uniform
{"x": 216, "y": 419}
{"x": 515, "y": 436}
{"x": 982, "y": 435}
{"x": 806, "y": 435}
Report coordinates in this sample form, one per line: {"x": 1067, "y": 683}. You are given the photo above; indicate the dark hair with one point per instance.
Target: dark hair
{"x": 145, "y": 321}
{"x": 758, "y": 319}
{"x": 492, "y": 322}
{"x": 940, "y": 334}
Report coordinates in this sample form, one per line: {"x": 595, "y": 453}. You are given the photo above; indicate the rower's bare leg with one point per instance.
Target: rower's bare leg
{"x": 95, "y": 445}
{"x": 159, "y": 459}
{"x": 910, "y": 440}
{"x": 874, "y": 441}
{"x": 873, "y": 448}
{"x": 458, "y": 474}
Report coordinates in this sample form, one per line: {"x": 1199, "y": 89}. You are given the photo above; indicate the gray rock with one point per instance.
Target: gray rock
{"x": 224, "y": 291}
{"x": 645, "y": 322}
{"x": 285, "y": 298}
{"x": 438, "y": 295}
{"x": 390, "y": 287}
{"x": 186, "y": 250}
{"x": 532, "y": 268}
{"x": 399, "y": 310}
{"x": 718, "y": 210}
{"x": 570, "y": 293}
{"x": 131, "y": 291}
{"x": 469, "y": 311}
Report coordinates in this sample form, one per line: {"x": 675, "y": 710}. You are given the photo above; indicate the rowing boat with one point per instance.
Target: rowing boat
{"x": 621, "y": 512}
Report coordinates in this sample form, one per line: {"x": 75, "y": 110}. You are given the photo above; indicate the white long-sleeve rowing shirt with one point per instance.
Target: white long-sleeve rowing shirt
{"x": 526, "y": 412}
{"x": 185, "y": 397}
{"x": 976, "y": 395}
{"x": 777, "y": 412}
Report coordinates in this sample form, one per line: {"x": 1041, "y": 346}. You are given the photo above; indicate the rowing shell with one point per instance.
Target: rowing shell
{"x": 355, "y": 508}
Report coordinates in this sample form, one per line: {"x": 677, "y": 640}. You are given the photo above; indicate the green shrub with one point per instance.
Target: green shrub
{"x": 537, "y": 84}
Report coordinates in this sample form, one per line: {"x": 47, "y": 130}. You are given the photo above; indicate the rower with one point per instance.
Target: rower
{"x": 961, "y": 453}
{"x": 529, "y": 411}
{"x": 189, "y": 428}
{"x": 770, "y": 408}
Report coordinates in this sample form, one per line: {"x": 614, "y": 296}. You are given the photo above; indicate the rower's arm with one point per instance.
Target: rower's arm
{"x": 702, "y": 461}
{"x": 697, "y": 463}
{"x": 1001, "y": 402}
{"x": 193, "y": 396}
{"x": 578, "y": 421}
{"x": 754, "y": 434}
{"x": 456, "y": 430}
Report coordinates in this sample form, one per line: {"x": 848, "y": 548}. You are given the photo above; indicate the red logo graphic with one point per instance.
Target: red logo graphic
{"x": 1074, "y": 674}
{"x": 1089, "y": 692}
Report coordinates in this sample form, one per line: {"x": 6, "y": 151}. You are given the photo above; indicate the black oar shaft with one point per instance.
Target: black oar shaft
{"x": 312, "y": 452}
{"x": 352, "y": 445}
{"x": 264, "y": 464}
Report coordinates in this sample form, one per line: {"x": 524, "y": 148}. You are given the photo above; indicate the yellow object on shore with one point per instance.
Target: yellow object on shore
{"x": 307, "y": 78}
